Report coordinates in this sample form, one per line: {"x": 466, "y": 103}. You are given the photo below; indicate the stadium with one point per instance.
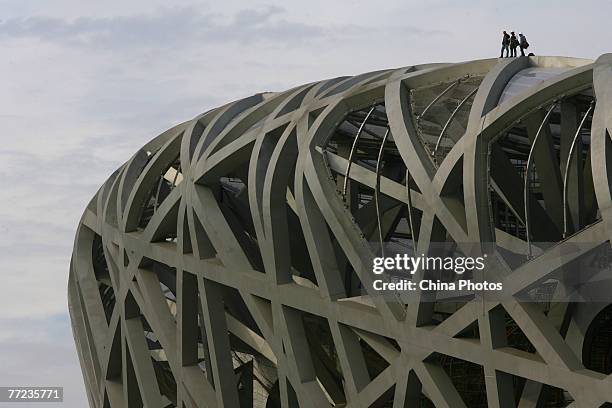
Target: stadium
{"x": 228, "y": 262}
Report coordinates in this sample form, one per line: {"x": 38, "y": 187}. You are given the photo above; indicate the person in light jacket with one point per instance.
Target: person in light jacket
{"x": 523, "y": 43}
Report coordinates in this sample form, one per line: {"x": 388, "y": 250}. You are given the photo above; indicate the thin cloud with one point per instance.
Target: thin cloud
{"x": 187, "y": 26}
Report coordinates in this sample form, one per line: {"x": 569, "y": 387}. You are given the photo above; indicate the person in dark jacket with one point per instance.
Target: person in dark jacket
{"x": 523, "y": 43}
{"x": 505, "y": 44}
{"x": 513, "y": 44}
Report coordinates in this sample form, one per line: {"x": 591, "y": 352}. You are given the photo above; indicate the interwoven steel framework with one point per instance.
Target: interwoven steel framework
{"x": 228, "y": 262}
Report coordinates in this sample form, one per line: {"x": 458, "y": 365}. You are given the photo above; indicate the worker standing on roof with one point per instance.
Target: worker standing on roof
{"x": 505, "y": 44}
{"x": 513, "y": 44}
{"x": 523, "y": 43}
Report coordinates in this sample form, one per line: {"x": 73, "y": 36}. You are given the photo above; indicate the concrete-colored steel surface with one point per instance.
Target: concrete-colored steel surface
{"x": 228, "y": 263}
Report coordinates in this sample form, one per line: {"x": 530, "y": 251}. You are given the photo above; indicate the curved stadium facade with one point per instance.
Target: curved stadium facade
{"x": 228, "y": 263}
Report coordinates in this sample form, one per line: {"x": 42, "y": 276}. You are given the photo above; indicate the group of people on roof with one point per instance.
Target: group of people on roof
{"x": 510, "y": 42}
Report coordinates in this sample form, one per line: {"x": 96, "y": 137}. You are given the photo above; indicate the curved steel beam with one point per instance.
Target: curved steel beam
{"x": 526, "y": 178}
{"x": 161, "y": 179}
{"x": 450, "y": 119}
{"x": 409, "y": 195}
{"x": 178, "y": 170}
{"x": 377, "y": 192}
{"x": 437, "y": 98}
{"x": 567, "y": 166}
{"x": 353, "y": 147}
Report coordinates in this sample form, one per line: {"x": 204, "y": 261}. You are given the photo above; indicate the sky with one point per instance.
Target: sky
{"x": 84, "y": 84}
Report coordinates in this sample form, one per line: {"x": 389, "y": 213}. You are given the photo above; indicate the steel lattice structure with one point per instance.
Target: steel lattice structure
{"x": 228, "y": 262}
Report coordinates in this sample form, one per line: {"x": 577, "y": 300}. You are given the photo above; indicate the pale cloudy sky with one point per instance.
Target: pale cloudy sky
{"x": 83, "y": 84}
